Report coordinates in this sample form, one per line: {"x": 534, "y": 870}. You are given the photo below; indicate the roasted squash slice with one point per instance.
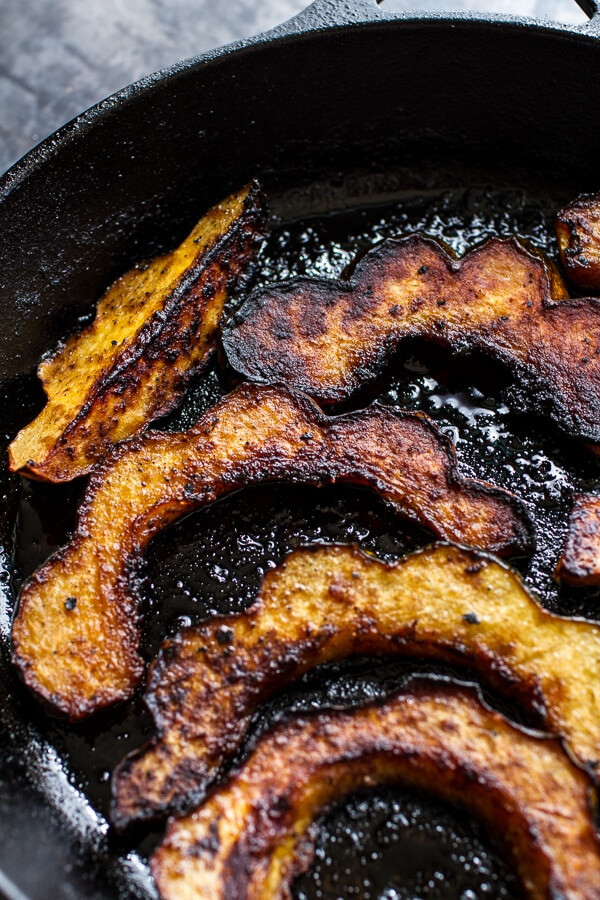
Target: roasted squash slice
{"x": 154, "y": 328}
{"x": 327, "y": 604}
{"x": 579, "y": 564}
{"x": 76, "y": 631}
{"x": 328, "y": 338}
{"x": 578, "y": 232}
{"x": 257, "y": 832}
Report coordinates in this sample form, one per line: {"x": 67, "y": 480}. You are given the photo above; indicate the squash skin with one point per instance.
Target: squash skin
{"x": 578, "y": 232}
{"x": 327, "y": 604}
{"x": 329, "y": 338}
{"x": 76, "y": 630}
{"x": 155, "y": 328}
{"x": 257, "y": 832}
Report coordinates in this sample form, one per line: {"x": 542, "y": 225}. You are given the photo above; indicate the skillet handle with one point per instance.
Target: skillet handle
{"x": 592, "y": 9}
{"x": 326, "y": 13}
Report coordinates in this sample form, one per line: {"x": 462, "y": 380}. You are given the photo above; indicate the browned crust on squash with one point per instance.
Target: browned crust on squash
{"x": 256, "y": 833}
{"x": 154, "y": 329}
{"x": 81, "y": 656}
{"x": 578, "y": 232}
{"x": 328, "y": 338}
{"x": 327, "y": 604}
{"x": 579, "y": 564}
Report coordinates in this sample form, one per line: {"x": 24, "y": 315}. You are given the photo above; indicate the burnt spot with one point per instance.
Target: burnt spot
{"x": 224, "y": 636}
{"x": 475, "y": 568}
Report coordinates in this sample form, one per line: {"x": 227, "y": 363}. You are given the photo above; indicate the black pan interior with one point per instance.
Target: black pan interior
{"x": 458, "y": 151}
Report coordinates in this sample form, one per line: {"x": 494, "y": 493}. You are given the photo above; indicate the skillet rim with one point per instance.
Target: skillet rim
{"x": 321, "y": 16}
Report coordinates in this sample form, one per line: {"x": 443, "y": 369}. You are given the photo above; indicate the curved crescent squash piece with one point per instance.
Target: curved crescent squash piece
{"x": 257, "y": 832}
{"x": 579, "y": 564}
{"x": 154, "y": 328}
{"x": 327, "y": 604}
{"x": 578, "y": 232}
{"x": 76, "y": 631}
{"x": 327, "y": 338}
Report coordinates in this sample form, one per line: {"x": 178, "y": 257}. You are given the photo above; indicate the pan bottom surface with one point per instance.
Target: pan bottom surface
{"x": 386, "y": 844}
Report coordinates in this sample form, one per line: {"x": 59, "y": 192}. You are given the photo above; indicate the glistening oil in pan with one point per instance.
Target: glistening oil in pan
{"x": 392, "y": 843}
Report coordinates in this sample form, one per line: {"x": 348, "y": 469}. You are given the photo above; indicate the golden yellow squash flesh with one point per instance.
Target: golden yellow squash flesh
{"x": 76, "y": 631}
{"x": 256, "y": 834}
{"x": 154, "y": 328}
{"x": 331, "y": 603}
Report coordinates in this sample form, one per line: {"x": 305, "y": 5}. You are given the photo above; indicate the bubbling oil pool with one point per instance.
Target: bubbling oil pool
{"x": 387, "y": 844}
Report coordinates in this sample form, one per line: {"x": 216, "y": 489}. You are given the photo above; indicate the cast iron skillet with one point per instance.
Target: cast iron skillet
{"x": 342, "y": 88}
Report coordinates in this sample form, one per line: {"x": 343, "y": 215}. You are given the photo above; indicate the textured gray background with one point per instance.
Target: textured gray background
{"x": 57, "y": 57}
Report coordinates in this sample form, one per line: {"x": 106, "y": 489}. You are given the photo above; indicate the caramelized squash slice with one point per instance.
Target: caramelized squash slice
{"x": 76, "y": 631}
{"x": 579, "y": 564}
{"x": 328, "y": 338}
{"x": 327, "y": 604}
{"x": 578, "y": 232}
{"x": 257, "y": 832}
{"x": 154, "y": 328}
